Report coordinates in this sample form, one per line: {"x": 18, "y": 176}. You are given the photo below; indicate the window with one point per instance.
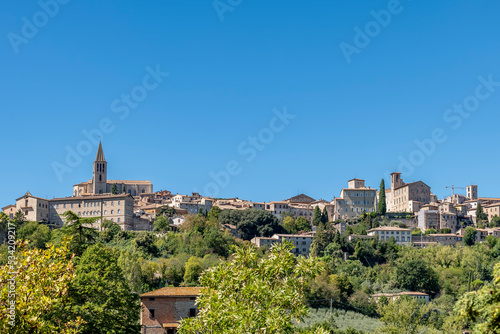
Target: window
{"x": 118, "y": 220}
{"x": 118, "y": 210}
{"x": 118, "y": 202}
{"x": 105, "y": 212}
{"x": 112, "y": 211}
{"x": 192, "y": 312}
{"x": 151, "y": 313}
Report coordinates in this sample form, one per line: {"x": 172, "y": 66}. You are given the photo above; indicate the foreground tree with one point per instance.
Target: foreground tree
{"x": 482, "y": 308}
{"x": 101, "y": 294}
{"x": 43, "y": 280}
{"x": 405, "y": 315}
{"x": 382, "y": 208}
{"x": 252, "y": 295}
{"x": 80, "y": 231}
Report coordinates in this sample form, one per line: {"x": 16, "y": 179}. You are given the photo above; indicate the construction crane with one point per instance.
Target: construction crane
{"x": 453, "y": 189}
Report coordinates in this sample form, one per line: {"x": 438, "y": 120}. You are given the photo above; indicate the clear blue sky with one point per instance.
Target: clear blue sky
{"x": 352, "y": 119}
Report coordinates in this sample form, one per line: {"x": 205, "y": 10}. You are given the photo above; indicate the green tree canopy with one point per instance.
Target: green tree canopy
{"x": 470, "y": 236}
{"x": 252, "y": 295}
{"x": 102, "y": 296}
{"x": 416, "y": 275}
{"x": 316, "y": 216}
{"x": 251, "y": 222}
{"x": 43, "y": 281}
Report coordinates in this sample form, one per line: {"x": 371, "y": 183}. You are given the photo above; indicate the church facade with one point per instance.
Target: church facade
{"x": 101, "y": 185}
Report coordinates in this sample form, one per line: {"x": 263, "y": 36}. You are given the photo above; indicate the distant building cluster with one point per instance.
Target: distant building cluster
{"x": 133, "y": 205}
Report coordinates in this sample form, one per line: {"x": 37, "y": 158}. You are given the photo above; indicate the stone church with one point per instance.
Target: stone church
{"x": 101, "y": 185}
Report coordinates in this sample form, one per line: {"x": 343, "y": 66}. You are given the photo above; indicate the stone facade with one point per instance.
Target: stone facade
{"x": 162, "y": 309}
{"x": 354, "y": 200}
{"x": 302, "y": 242}
{"x": 399, "y": 196}
{"x": 402, "y": 236}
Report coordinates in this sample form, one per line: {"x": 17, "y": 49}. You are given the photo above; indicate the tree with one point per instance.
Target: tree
{"x": 405, "y": 315}
{"x": 161, "y": 224}
{"x": 316, "y": 216}
{"x": 416, "y": 275}
{"x": 481, "y": 308}
{"x": 445, "y": 230}
{"x": 252, "y": 295}
{"x": 322, "y": 238}
{"x": 78, "y": 230}
{"x": 324, "y": 216}
{"x": 214, "y": 213}
{"x": 430, "y": 231}
{"x": 480, "y": 214}
{"x": 382, "y": 207}
{"x": 114, "y": 189}
{"x": 101, "y": 295}
{"x": 470, "y": 236}
{"x": 43, "y": 280}
{"x": 166, "y": 211}
{"x": 495, "y": 221}
{"x": 193, "y": 271}
{"x": 251, "y": 222}
{"x": 302, "y": 224}
{"x": 38, "y": 234}
{"x": 289, "y": 225}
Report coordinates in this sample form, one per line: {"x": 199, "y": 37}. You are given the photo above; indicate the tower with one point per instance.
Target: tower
{"x": 472, "y": 191}
{"x": 99, "y": 176}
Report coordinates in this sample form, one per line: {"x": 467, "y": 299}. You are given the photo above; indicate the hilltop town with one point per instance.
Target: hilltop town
{"x": 133, "y": 205}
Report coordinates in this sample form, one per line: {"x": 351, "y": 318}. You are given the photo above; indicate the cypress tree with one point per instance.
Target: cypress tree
{"x": 382, "y": 208}
{"x": 316, "y": 216}
{"x": 324, "y": 216}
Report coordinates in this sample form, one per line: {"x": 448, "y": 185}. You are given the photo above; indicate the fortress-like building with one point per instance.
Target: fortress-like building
{"x": 101, "y": 185}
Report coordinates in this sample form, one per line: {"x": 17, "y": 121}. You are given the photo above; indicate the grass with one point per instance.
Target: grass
{"x": 343, "y": 319}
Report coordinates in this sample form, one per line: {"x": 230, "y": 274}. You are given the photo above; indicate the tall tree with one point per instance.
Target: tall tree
{"x": 252, "y": 295}
{"x": 481, "y": 216}
{"x": 382, "y": 207}
{"x": 114, "y": 189}
{"x": 101, "y": 294}
{"x": 214, "y": 213}
{"x": 470, "y": 236}
{"x": 80, "y": 230}
{"x": 324, "y": 216}
{"x": 316, "y": 216}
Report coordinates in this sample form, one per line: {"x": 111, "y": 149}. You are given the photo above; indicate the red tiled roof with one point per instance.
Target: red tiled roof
{"x": 174, "y": 292}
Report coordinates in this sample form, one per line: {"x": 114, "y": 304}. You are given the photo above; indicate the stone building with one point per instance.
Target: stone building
{"x": 402, "y": 236}
{"x": 163, "y": 309}
{"x": 354, "y": 200}
{"x": 101, "y": 185}
{"x": 400, "y": 194}
{"x": 302, "y": 242}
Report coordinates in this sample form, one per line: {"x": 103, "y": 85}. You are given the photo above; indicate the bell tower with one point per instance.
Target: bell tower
{"x": 99, "y": 176}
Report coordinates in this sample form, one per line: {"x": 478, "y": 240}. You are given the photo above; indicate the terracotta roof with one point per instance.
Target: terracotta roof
{"x": 90, "y": 197}
{"x": 389, "y": 228}
{"x": 170, "y": 325}
{"x": 28, "y": 194}
{"x": 129, "y": 181}
{"x": 174, "y": 292}
{"x": 8, "y": 206}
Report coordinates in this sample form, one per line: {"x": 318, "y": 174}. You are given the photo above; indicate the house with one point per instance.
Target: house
{"x": 402, "y": 236}
{"x": 163, "y": 309}
{"x": 302, "y": 242}
{"x": 393, "y": 296}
